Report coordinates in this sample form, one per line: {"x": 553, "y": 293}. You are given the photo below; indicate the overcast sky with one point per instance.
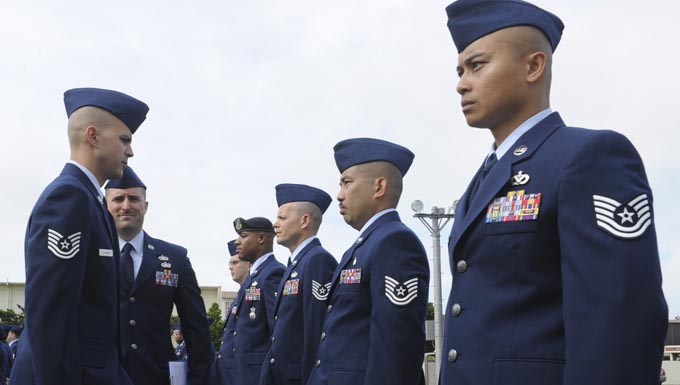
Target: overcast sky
{"x": 245, "y": 95}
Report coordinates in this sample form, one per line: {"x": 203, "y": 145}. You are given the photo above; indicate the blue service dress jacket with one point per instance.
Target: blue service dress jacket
{"x": 374, "y": 331}
{"x": 299, "y": 314}
{"x": 222, "y": 371}
{"x": 555, "y": 266}
{"x": 254, "y": 320}
{"x": 71, "y": 327}
{"x": 165, "y": 278}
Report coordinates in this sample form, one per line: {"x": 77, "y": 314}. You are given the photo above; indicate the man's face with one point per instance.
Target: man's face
{"x": 115, "y": 148}
{"x": 128, "y": 207}
{"x": 248, "y": 245}
{"x": 11, "y": 336}
{"x": 287, "y": 225}
{"x": 355, "y": 196}
{"x": 492, "y": 77}
{"x": 239, "y": 269}
{"x": 177, "y": 336}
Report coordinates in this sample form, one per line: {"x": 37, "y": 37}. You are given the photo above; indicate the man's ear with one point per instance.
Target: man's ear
{"x": 536, "y": 66}
{"x": 380, "y": 187}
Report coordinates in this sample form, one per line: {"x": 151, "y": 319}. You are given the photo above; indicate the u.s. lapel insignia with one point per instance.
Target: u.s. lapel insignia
{"x": 520, "y": 179}
{"x": 166, "y": 265}
{"x": 401, "y": 294}
{"x": 359, "y": 240}
{"x": 355, "y": 261}
{"x": 254, "y": 284}
{"x": 63, "y": 247}
{"x": 162, "y": 258}
{"x": 252, "y": 313}
{"x": 320, "y": 291}
{"x": 100, "y": 199}
{"x": 150, "y": 246}
{"x": 294, "y": 274}
{"x": 624, "y": 220}
{"x": 519, "y": 150}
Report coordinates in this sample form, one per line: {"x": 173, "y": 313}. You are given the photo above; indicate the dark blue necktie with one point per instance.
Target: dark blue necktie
{"x": 489, "y": 162}
{"x": 128, "y": 267}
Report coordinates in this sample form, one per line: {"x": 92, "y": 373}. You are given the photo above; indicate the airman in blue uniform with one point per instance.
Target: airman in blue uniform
{"x": 223, "y": 367}
{"x": 181, "y": 348}
{"x": 71, "y": 251}
{"x": 374, "y": 331}
{"x": 254, "y": 315}
{"x": 155, "y": 276}
{"x": 301, "y": 295}
{"x": 553, "y": 253}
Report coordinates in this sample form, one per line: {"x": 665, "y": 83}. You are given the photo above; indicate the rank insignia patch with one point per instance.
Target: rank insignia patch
{"x": 166, "y": 278}
{"x": 350, "y": 276}
{"x": 291, "y": 287}
{"x": 252, "y": 294}
{"x": 320, "y": 291}
{"x": 401, "y": 294}
{"x": 64, "y": 247}
{"x": 623, "y": 220}
{"x": 516, "y": 206}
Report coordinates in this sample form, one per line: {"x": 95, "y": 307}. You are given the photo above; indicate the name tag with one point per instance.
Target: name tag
{"x": 105, "y": 253}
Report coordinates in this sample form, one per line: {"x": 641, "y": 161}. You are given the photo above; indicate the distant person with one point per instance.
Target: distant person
{"x": 72, "y": 258}
{"x": 5, "y": 356}
{"x": 374, "y": 331}
{"x": 553, "y": 251}
{"x": 155, "y": 276}
{"x": 223, "y": 367}
{"x": 254, "y": 315}
{"x": 181, "y": 349}
{"x": 13, "y": 338}
{"x": 301, "y": 295}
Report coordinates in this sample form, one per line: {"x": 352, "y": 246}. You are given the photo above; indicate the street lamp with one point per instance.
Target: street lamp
{"x": 438, "y": 218}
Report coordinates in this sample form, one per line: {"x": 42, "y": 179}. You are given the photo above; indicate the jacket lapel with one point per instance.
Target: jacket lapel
{"x": 149, "y": 261}
{"x": 500, "y": 175}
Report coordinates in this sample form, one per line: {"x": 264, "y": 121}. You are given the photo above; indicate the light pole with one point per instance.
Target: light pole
{"x": 438, "y": 218}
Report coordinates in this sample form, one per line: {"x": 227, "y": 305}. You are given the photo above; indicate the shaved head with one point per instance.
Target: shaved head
{"x": 390, "y": 172}
{"x": 84, "y": 117}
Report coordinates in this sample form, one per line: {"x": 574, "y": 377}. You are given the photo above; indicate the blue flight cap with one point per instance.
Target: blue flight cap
{"x": 176, "y": 326}
{"x": 253, "y": 224}
{"x": 129, "y": 110}
{"x": 16, "y": 330}
{"x": 288, "y": 192}
{"x": 351, "y": 152}
{"x": 129, "y": 180}
{"x": 232, "y": 247}
{"x": 471, "y": 19}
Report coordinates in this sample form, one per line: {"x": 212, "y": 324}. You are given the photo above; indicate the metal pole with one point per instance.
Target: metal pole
{"x": 436, "y": 271}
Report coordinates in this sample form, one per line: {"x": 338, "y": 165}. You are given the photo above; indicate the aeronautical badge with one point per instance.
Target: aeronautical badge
{"x": 166, "y": 265}
{"x": 64, "y": 247}
{"x": 320, "y": 291}
{"x": 623, "y": 220}
{"x": 163, "y": 258}
{"x": 401, "y": 294}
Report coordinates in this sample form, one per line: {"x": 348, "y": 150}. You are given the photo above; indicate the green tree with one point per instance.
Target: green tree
{"x": 10, "y": 317}
{"x": 217, "y": 325}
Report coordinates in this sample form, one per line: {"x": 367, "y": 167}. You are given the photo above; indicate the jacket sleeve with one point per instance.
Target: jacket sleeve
{"x": 195, "y": 327}
{"x": 57, "y": 241}
{"x": 399, "y": 280}
{"x": 612, "y": 296}
{"x": 319, "y": 272}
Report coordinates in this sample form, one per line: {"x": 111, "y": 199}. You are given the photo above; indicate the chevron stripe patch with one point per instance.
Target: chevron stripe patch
{"x": 64, "y": 247}
{"x": 627, "y": 221}
{"x": 401, "y": 294}
{"x": 320, "y": 291}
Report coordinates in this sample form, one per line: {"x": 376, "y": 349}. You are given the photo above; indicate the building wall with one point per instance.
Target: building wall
{"x": 11, "y": 295}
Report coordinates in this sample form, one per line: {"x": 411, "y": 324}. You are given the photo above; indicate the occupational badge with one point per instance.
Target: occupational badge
{"x": 624, "y": 220}
{"x": 399, "y": 293}
{"x": 320, "y": 291}
{"x": 163, "y": 258}
{"x": 516, "y": 206}
{"x": 520, "y": 179}
{"x": 63, "y": 247}
{"x": 166, "y": 265}
{"x": 291, "y": 287}
{"x": 252, "y": 313}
